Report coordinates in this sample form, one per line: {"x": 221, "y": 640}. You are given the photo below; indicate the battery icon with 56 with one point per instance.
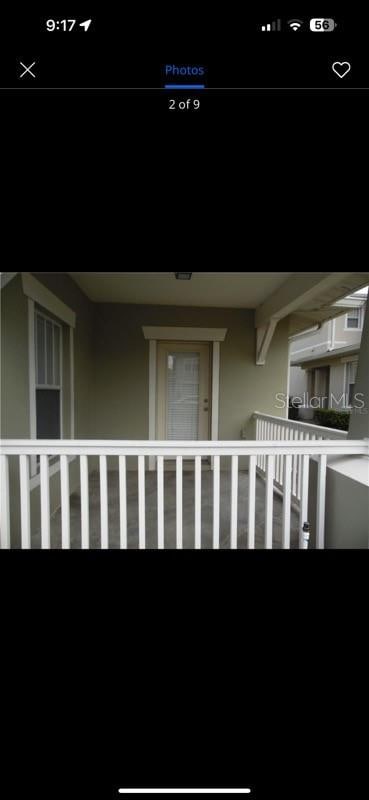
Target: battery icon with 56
{"x": 321, "y": 25}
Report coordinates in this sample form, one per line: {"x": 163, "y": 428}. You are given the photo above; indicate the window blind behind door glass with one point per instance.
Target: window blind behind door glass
{"x": 183, "y": 384}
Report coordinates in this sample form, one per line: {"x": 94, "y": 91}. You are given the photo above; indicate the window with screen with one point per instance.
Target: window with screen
{"x": 48, "y": 339}
{"x": 353, "y": 319}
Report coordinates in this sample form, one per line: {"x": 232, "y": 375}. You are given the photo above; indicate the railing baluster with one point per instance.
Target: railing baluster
{"x": 304, "y": 497}
{"x": 257, "y": 439}
{"x": 252, "y": 503}
{"x": 45, "y": 502}
{"x": 294, "y": 436}
{"x": 179, "y": 502}
{"x": 286, "y": 537}
{"x": 141, "y": 503}
{"x": 216, "y": 503}
{"x": 25, "y": 502}
{"x": 278, "y": 459}
{"x": 234, "y": 502}
{"x": 85, "y": 510}
{"x": 274, "y": 439}
{"x": 65, "y": 502}
{"x": 269, "y": 503}
{"x": 160, "y": 478}
{"x": 281, "y": 459}
{"x": 123, "y": 502}
{"x": 320, "y": 508}
{"x": 299, "y": 459}
{"x": 198, "y": 502}
{"x": 4, "y": 504}
{"x": 104, "y": 507}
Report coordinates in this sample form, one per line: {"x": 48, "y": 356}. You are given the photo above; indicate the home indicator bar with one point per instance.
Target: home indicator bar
{"x": 184, "y": 791}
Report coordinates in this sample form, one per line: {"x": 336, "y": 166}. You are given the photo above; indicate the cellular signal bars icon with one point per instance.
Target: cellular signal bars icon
{"x": 276, "y": 25}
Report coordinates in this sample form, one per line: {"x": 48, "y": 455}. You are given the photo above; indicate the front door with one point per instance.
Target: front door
{"x": 183, "y": 391}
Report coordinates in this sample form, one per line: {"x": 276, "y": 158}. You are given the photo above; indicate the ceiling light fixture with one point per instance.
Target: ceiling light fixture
{"x": 183, "y": 276}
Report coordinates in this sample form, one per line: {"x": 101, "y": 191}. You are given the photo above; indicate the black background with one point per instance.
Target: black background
{"x": 229, "y": 669}
{"x": 183, "y": 669}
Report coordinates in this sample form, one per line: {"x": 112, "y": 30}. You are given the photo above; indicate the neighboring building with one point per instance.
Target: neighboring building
{"x": 324, "y": 361}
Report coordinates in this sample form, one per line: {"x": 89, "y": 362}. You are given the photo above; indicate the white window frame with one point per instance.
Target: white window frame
{"x": 359, "y": 319}
{"x": 37, "y": 293}
{"x": 54, "y": 387}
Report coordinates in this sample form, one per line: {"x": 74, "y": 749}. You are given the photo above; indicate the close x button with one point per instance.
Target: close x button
{"x": 27, "y": 71}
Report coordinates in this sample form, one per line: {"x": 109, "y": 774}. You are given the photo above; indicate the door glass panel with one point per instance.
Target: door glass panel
{"x": 183, "y": 385}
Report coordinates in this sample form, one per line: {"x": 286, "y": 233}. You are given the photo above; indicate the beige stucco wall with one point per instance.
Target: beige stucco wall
{"x": 121, "y": 368}
{"x": 14, "y": 362}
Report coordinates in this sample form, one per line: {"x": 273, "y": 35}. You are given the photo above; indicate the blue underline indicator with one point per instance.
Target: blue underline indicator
{"x": 184, "y": 86}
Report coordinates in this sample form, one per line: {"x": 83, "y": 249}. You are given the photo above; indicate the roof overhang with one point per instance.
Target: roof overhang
{"x": 323, "y": 358}
{"x": 306, "y": 299}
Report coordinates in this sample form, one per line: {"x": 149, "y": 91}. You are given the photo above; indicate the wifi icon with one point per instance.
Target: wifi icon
{"x": 295, "y": 24}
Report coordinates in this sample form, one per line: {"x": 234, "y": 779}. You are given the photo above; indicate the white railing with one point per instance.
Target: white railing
{"x": 266, "y": 451}
{"x": 277, "y": 429}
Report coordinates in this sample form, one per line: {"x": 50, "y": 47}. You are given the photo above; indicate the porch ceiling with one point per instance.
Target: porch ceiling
{"x": 208, "y": 289}
{"x": 309, "y": 297}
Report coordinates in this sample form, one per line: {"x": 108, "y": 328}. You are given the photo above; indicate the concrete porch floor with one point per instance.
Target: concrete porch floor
{"x": 170, "y": 513}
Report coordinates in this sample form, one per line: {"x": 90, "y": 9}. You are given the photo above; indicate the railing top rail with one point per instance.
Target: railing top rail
{"x": 186, "y": 449}
{"x": 291, "y": 423}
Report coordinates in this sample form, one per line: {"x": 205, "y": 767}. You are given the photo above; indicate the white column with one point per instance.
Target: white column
{"x": 152, "y": 397}
{"x": 359, "y": 418}
{"x": 71, "y": 363}
{"x": 32, "y": 379}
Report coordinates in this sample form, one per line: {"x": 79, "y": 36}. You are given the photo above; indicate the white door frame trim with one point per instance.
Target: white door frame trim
{"x": 155, "y": 334}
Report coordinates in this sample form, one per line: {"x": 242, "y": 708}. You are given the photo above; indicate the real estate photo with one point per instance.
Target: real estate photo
{"x": 184, "y": 410}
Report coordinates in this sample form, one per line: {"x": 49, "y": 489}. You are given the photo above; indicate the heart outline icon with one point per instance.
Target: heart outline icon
{"x": 341, "y": 68}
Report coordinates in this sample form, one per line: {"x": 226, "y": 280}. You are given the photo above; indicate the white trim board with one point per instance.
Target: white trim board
{"x": 6, "y": 277}
{"x": 32, "y": 379}
{"x": 35, "y": 290}
{"x": 184, "y": 334}
{"x": 152, "y": 397}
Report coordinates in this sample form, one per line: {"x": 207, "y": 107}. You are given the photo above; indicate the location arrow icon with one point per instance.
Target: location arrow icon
{"x": 85, "y": 24}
